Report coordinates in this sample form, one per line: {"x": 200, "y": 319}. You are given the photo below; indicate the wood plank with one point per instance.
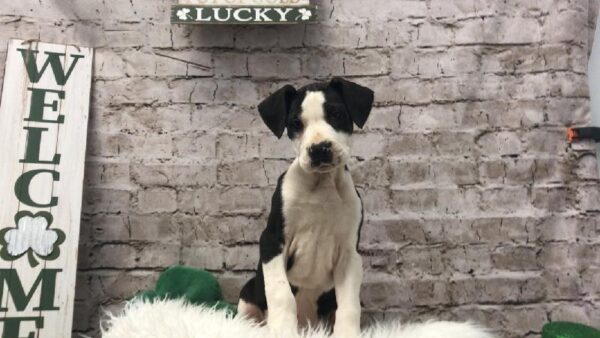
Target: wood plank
{"x": 27, "y": 274}
{"x": 47, "y": 256}
{"x": 73, "y": 161}
{"x": 13, "y": 139}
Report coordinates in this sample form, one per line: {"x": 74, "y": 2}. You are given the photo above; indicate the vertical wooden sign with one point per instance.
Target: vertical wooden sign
{"x": 43, "y": 128}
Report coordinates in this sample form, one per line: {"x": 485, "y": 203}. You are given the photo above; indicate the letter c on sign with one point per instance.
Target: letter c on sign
{"x": 238, "y": 17}
{"x": 22, "y": 188}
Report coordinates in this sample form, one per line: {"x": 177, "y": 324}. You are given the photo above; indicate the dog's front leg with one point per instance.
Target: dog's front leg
{"x": 347, "y": 280}
{"x": 282, "y": 318}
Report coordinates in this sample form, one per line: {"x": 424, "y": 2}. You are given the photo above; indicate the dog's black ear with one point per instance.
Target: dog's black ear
{"x": 358, "y": 99}
{"x": 275, "y": 109}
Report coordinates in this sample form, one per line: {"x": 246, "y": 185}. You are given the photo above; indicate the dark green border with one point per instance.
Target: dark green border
{"x": 176, "y": 21}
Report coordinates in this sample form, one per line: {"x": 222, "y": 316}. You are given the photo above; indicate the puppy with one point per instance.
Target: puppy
{"x": 310, "y": 271}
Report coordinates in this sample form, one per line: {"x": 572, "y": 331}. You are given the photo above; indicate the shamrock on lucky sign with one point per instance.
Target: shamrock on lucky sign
{"x": 182, "y": 14}
{"x": 32, "y": 235}
{"x": 305, "y": 14}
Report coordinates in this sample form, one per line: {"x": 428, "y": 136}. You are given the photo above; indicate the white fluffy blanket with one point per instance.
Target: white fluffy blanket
{"x": 176, "y": 319}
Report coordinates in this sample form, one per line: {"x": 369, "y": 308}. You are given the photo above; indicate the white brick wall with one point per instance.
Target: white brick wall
{"x": 476, "y": 207}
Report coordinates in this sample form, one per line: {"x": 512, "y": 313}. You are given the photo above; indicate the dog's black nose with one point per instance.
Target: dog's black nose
{"x": 320, "y": 154}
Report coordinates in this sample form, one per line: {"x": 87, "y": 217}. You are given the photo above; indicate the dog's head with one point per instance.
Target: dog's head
{"x": 319, "y": 119}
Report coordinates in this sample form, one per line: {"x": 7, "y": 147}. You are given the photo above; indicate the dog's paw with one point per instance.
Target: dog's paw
{"x": 284, "y": 333}
{"x": 346, "y": 331}
{"x": 283, "y": 326}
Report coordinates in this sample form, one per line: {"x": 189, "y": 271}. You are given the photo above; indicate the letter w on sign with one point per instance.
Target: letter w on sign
{"x": 43, "y": 127}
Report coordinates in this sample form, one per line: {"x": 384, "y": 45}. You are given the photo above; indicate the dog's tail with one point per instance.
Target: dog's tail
{"x": 431, "y": 329}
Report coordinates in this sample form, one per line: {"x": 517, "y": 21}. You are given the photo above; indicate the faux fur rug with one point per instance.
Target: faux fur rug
{"x": 166, "y": 319}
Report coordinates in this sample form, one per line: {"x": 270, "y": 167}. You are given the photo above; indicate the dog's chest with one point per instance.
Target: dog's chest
{"x": 320, "y": 222}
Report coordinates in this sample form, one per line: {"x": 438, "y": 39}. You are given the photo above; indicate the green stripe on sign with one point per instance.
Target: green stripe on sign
{"x": 266, "y": 15}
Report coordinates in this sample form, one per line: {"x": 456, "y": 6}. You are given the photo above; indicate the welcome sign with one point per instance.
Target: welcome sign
{"x": 43, "y": 127}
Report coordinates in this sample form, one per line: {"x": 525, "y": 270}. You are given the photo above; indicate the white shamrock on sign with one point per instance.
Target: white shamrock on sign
{"x": 306, "y": 14}
{"x": 31, "y": 232}
{"x": 182, "y": 14}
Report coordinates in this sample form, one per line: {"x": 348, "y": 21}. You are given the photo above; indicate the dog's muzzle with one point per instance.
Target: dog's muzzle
{"x": 320, "y": 154}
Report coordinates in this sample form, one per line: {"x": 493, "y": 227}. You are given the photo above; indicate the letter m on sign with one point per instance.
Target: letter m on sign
{"x": 43, "y": 130}
{"x": 45, "y": 281}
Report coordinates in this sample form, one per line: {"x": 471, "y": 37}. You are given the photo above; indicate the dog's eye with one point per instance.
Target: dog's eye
{"x": 336, "y": 113}
{"x": 296, "y": 123}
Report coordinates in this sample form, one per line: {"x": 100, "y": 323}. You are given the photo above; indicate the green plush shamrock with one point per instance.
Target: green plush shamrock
{"x": 32, "y": 236}
{"x": 195, "y": 286}
{"x": 569, "y": 330}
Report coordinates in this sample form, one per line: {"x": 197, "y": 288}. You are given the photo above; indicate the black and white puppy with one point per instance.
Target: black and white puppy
{"x": 309, "y": 269}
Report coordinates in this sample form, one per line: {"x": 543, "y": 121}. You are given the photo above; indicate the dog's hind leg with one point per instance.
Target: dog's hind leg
{"x": 251, "y": 305}
{"x": 250, "y": 311}
{"x": 326, "y": 305}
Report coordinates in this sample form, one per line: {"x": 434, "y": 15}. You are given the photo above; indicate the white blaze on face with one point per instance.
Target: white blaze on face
{"x": 317, "y": 130}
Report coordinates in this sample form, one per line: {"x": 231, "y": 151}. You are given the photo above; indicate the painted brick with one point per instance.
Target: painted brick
{"x": 373, "y": 172}
{"x": 242, "y": 173}
{"x": 157, "y": 200}
{"x": 272, "y": 147}
{"x": 497, "y": 289}
{"x": 231, "y": 65}
{"x": 454, "y": 173}
{"x": 570, "y": 312}
{"x": 385, "y": 118}
{"x": 570, "y": 22}
{"x": 435, "y": 63}
{"x": 433, "y": 34}
{"x": 500, "y": 143}
{"x": 377, "y": 34}
{"x": 210, "y": 258}
{"x": 328, "y": 35}
{"x": 499, "y": 30}
{"x": 237, "y": 147}
{"x": 122, "y": 285}
{"x": 353, "y": 10}
{"x": 153, "y": 228}
{"x": 105, "y": 201}
{"x": 273, "y": 66}
{"x": 511, "y": 199}
{"x": 203, "y": 200}
{"x": 195, "y": 145}
{"x": 183, "y": 36}
{"x": 158, "y": 119}
{"x": 242, "y": 258}
{"x": 519, "y": 258}
{"x": 105, "y": 228}
{"x": 242, "y": 200}
{"x": 107, "y": 175}
{"x": 158, "y": 255}
{"x": 167, "y": 64}
{"x": 183, "y": 175}
{"x": 367, "y": 62}
{"x": 241, "y": 92}
{"x": 476, "y": 207}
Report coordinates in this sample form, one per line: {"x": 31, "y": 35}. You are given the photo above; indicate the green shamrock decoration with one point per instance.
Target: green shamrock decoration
{"x": 32, "y": 236}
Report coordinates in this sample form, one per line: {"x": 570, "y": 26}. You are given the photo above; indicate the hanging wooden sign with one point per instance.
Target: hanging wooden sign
{"x": 205, "y": 14}
{"x": 246, "y": 2}
{"x": 43, "y": 129}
